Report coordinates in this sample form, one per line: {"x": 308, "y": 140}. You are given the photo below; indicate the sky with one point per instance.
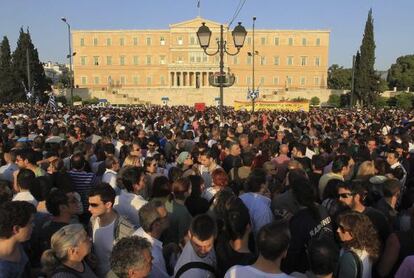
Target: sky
{"x": 344, "y": 18}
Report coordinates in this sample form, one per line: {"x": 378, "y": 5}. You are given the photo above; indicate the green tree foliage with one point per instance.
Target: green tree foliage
{"x": 339, "y": 78}
{"x": 299, "y": 99}
{"x": 366, "y": 86}
{"x": 334, "y": 100}
{"x": 380, "y": 102}
{"x": 38, "y": 78}
{"x": 315, "y": 101}
{"x": 401, "y": 74}
{"x": 404, "y": 100}
{"x": 7, "y": 82}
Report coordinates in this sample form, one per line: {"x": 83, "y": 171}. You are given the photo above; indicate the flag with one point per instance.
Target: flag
{"x": 28, "y": 95}
{"x": 198, "y": 4}
{"x": 52, "y": 103}
{"x": 37, "y": 100}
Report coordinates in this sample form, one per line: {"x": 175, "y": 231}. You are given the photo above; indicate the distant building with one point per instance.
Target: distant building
{"x": 54, "y": 70}
{"x": 172, "y": 58}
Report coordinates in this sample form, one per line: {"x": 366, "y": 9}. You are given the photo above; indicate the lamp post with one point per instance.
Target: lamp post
{"x": 204, "y": 34}
{"x": 252, "y": 54}
{"x": 70, "y": 61}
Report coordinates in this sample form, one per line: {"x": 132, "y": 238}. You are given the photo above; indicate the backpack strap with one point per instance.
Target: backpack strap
{"x": 358, "y": 263}
{"x": 199, "y": 265}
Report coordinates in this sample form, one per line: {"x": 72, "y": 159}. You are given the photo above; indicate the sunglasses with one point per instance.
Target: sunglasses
{"x": 345, "y": 195}
{"x": 93, "y": 205}
{"x": 151, "y": 145}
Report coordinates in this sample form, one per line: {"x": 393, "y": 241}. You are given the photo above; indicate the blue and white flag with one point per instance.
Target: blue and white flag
{"x": 37, "y": 100}
{"x": 52, "y": 103}
{"x": 28, "y": 95}
{"x": 198, "y": 4}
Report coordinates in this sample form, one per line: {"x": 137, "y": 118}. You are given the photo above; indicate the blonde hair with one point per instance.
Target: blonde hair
{"x": 366, "y": 169}
{"x": 66, "y": 237}
{"x": 132, "y": 160}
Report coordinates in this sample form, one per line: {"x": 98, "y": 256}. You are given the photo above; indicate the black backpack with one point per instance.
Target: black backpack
{"x": 199, "y": 265}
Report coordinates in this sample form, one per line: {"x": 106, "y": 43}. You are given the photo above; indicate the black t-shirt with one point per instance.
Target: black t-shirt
{"x": 196, "y": 205}
{"x": 228, "y": 257}
{"x": 231, "y": 162}
{"x": 380, "y": 223}
{"x": 306, "y": 163}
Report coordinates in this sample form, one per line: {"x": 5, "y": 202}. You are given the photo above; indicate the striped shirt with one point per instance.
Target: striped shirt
{"x": 83, "y": 182}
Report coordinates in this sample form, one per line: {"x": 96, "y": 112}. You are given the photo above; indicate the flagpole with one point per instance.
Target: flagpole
{"x": 29, "y": 81}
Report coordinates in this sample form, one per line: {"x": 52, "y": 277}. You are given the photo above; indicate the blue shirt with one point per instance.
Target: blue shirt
{"x": 10, "y": 269}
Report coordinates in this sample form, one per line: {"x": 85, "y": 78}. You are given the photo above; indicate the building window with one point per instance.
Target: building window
{"x": 110, "y": 80}
{"x": 108, "y": 42}
{"x": 317, "y": 80}
{"x": 249, "y": 80}
{"x": 162, "y": 80}
{"x": 96, "y": 60}
{"x": 162, "y": 41}
{"x": 148, "y": 40}
{"x": 249, "y": 40}
{"x": 96, "y": 80}
{"x": 83, "y": 60}
{"x": 303, "y": 60}
{"x": 149, "y": 80}
{"x": 136, "y": 80}
{"x": 318, "y": 42}
{"x": 262, "y": 60}
{"x": 276, "y": 41}
{"x": 249, "y": 60}
{"x": 302, "y": 81}
{"x": 304, "y": 41}
{"x": 123, "y": 80}
{"x": 148, "y": 59}
{"x": 192, "y": 40}
{"x": 290, "y": 60}
{"x": 135, "y": 41}
{"x": 192, "y": 58}
{"x": 263, "y": 41}
{"x": 290, "y": 41}
{"x": 262, "y": 81}
{"x": 136, "y": 60}
{"x": 95, "y": 41}
{"x": 180, "y": 40}
{"x": 179, "y": 59}
{"x": 317, "y": 61}
{"x": 122, "y": 60}
{"x": 235, "y": 60}
{"x": 276, "y": 60}
{"x": 82, "y": 42}
{"x": 205, "y": 57}
{"x": 276, "y": 80}
{"x": 121, "y": 41}
{"x": 109, "y": 60}
{"x": 289, "y": 80}
{"x": 84, "y": 80}
{"x": 162, "y": 59}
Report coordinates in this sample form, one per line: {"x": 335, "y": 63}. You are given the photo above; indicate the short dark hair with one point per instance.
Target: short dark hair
{"x": 273, "y": 239}
{"x": 109, "y": 148}
{"x": 6, "y": 194}
{"x": 300, "y": 147}
{"x": 161, "y": 187}
{"x": 129, "y": 176}
{"x": 105, "y": 191}
{"x": 28, "y": 154}
{"x": 318, "y": 162}
{"x": 14, "y": 213}
{"x": 255, "y": 180}
{"x": 203, "y": 227}
{"x": 247, "y": 158}
{"x": 40, "y": 188}
{"x": 77, "y": 161}
{"x": 127, "y": 253}
{"x": 25, "y": 178}
{"x": 237, "y": 219}
{"x": 390, "y": 187}
{"x": 322, "y": 256}
{"x": 340, "y": 162}
{"x": 56, "y": 198}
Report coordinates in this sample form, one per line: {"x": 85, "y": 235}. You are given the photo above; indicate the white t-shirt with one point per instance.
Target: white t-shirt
{"x": 103, "y": 238}
{"x": 239, "y": 271}
{"x": 25, "y": 196}
{"x": 188, "y": 255}
{"x": 110, "y": 177}
{"x": 128, "y": 204}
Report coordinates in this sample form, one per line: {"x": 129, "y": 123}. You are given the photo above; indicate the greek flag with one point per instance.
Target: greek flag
{"x": 37, "y": 100}
{"x": 28, "y": 95}
{"x": 52, "y": 103}
{"x": 198, "y": 4}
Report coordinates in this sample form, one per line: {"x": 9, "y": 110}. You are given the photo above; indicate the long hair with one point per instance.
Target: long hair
{"x": 65, "y": 238}
{"x": 364, "y": 235}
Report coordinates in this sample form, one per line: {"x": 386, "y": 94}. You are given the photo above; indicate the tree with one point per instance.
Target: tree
{"x": 8, "y": 86}
{"x": 314, "y": 101}
{"x": 404, "y": 100}
{"x": 401, "y": 74}
{"x": 334, "y": 100}
{"x": 367, "y": 85}
{"x": 39, "y": 81}
{"x": 339, "y": 78}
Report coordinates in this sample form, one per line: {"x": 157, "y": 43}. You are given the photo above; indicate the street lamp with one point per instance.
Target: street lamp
{"x": 70, "y": 55}
{"x": 252, "y": 54}
{"x": 239, "y": 35}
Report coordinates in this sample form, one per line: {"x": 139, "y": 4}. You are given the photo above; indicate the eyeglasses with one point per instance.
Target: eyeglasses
{"x": 93, "y": 205}
{"x": 151, "y": 145}
{"x": 345, "y": 195}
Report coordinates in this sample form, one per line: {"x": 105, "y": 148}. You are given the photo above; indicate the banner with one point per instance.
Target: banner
{"x": 272, "y": 105}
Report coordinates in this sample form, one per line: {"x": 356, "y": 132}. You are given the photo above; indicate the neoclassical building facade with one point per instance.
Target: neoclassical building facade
{"x": 172, "y": 58}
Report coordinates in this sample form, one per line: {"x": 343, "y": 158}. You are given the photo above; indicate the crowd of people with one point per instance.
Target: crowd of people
{"x": 174, "y": 192}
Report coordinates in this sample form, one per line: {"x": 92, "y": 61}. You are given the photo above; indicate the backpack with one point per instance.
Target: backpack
{"x": 199, "y": 265}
